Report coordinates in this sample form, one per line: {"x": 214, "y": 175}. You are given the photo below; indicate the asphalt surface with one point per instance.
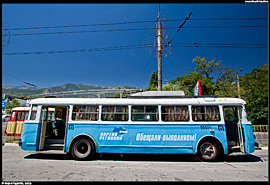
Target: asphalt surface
{"x": 19, "y": 165}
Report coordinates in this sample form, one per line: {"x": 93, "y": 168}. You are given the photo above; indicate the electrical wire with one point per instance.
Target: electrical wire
{"x": 131, "y": 29}
{"x": 20, "y": 80}
{"x": 111, "y": 48}
{"x": 81, "y": 25}
{"x": 133, "y": 22}
{"x": 181, "y": 26}
{"x": 80, "y": 50}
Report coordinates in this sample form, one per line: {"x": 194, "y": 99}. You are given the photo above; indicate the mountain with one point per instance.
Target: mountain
{"x": 20, "y": 87}
{"x": 66, "y": 90}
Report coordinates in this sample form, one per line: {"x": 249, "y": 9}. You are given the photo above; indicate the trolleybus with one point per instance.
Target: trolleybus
{"x": 16, "y": 121}
{"x": 208, "y": 127}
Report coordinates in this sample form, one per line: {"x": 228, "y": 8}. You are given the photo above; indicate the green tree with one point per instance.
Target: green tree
{"x": 187, "y": 82}
{"x": 255, "y": 93}
{"x": 11, "y": 105}
{"x": 216, "y": 79}
{"x": 153, "y": 83}
{"x": 206, "y": 68}
{"x": 124, "y": 95}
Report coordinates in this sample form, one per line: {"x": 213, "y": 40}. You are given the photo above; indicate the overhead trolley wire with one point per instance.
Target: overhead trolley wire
{"x": 181, "y": 26}
{"x": 131, "y": 29}
{"x": 80, "y": 25}
{"x": 226, "y": 45}
{"x": 79, "y": 50}
{"x": 220, "y": 45}
{"x": 133, "y": 22}
{"x": 20, "y": 80}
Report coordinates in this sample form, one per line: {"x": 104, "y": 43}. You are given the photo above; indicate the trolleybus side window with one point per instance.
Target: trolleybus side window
{"x": 246, "y": 115}
{"x": 85, "y": 112}
{"x": 26, "y": 115}
{"x": 174, "y": 113}
{"x": 33, "y": 112}
{"x": 114, "y": 113}
{"x": 51, "y": 115}
{"x": 205, "y": 113}
{"x": 22, "y": 116}
{"x": 231, "y": 114}
{"x": 13, "y": 115}
{"x": 19, "y": 115}
{"x": 144, "y": 113}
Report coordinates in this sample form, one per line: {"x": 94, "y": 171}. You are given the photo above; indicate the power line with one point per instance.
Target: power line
{"x": 194, "y": 44}
{"x": 133, "y": 22}
{"x": 181, "y": 26}
{"x": 80, "y": 25}
{"x": 78, "y": 50}
{"x": 198, "y": 43}
{"x": 223, "y": 45}
{"x": 20, "y": 80}
{"x": 81, "y": 31}
{"x": 238, "y": 26}
{"x": 131, "y": 29}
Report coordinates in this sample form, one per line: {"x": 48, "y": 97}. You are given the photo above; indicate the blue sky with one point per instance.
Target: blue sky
{"x": 120, "y": 66}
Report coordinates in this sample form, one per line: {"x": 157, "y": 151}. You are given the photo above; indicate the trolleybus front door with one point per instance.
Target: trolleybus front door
{"x": 53, "y": 131}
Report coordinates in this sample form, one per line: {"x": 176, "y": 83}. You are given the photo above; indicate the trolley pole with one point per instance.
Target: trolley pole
{"x": 159, "y": 52}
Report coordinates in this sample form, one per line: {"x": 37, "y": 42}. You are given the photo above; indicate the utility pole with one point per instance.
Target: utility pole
{"x": 238, "y": 84}
{"x": 159, "y": 52}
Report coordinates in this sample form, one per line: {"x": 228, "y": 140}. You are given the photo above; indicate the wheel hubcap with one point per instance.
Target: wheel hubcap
{"x": 82, "y": 149}
{"x": 207, "y": 149}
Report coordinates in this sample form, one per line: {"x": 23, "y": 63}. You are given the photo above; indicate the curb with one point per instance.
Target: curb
{"x": 261, "y": 148}
{"x": 11, "y": 144}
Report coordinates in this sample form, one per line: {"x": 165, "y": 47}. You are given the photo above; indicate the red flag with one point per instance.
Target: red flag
{"x": 197, "y": 89}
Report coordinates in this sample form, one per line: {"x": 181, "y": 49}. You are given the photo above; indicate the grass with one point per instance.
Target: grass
{"x": 12, "y": 140}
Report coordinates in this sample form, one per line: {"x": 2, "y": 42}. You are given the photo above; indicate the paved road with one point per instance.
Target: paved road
{"x": 19, "y": 165}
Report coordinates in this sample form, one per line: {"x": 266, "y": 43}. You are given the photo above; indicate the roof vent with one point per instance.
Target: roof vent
{"x": 158, "y": 94}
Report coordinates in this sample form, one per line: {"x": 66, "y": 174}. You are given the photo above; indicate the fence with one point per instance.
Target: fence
{"x": 4, "y": 127}
{"x": 261, "y": 134}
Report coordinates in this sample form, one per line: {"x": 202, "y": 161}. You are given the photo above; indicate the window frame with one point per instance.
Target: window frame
{"x": 33, "y": 113}
{"x": 175, "y": 114}
{"x": 13, "y": 116}
{"x": 205, "y": 113}
{"x": 157, "y": 113}
{"x": 114, "y": 113}
{"x": 96, "y": 113}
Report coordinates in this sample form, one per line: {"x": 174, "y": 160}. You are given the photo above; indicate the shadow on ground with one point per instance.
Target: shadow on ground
{"x": 145, "y": 157}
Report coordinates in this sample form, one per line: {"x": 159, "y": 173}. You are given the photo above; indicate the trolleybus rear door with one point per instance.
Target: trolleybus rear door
{"x": 234, "y": 130}
{"x": 240, "y": 129}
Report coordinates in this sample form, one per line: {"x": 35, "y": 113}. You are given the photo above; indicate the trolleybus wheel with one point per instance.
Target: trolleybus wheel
{"x": 209, "y": 151}
{"x": 82, "y": 149}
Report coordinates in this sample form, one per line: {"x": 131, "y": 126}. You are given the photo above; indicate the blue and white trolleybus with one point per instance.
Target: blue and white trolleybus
{"x": 208, "y": 127}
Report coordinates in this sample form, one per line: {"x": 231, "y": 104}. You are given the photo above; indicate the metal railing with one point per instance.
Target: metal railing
{"x": 4, "y": 127}
{"x": 261, "y": 134}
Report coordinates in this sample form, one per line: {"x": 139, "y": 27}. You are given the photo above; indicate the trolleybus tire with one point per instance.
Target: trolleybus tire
{"x": 209, "y": 151}
{"x": 83, "y": 149}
